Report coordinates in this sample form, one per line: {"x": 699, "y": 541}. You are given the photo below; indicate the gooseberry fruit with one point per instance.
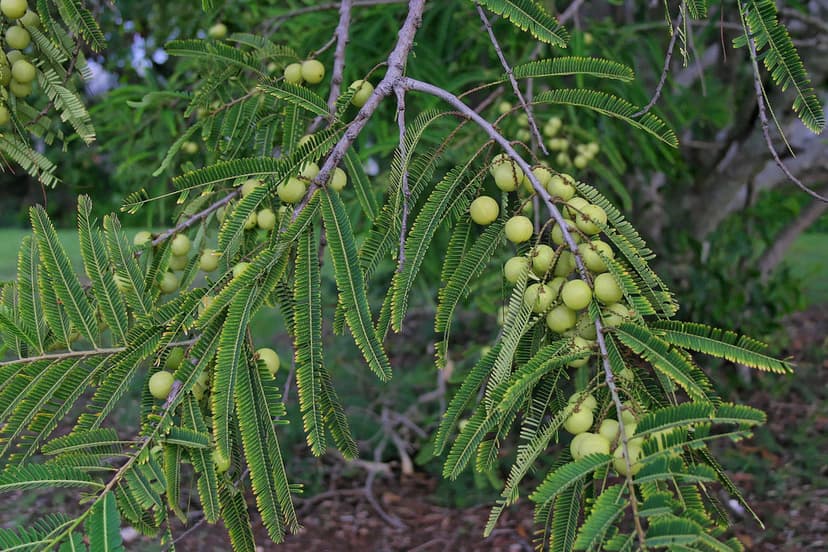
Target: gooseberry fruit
{"x": 557, "y": 234}
{"x": 539, "y": 297}
{"x": 4, "y": 115}
{"x": 620, "y": 464}
{"x": 249, "y": 185}
{"x": 160, "y": 384}
{"x": 141, "y": 238}
{"x": 180, "y": 245}
{"x": 515, "y": 268}
{"x": 565, "y": 264}
{"x": 338, "y": 180}
{"x": 20, "y": 89}
{"x": 293, "y": 73}
{"x": 364, "y": 89}
{"x": 270, "y": 358}
{"x": 543, "y": 175}
{"x": 593, "y": 444}
{"x": 222, "y": 463}
{"x": 169, "y": 282}
{"x": 209, "y": 260}
{"x": 190, "y": 148}
{"x": 579, "y": 422}
{"x": 252, "y": 220}
{"x": 609, "y": 429}
{"x": 591, "y": 252}
{"x": 13, "y": 9}
{"x": 17, "y": 37}
{"x": 519, "y": 229}
{"x": 590, "y": 219}
{"x": 484, "y": 210}
{"x": 217, "y": 31}
{"x": 576, "y": 294}
{"x": 580, "y": 161}
{"x": 239, "y": 269}
{"x": 574, "y": 206}
{"x": 266, "y": 219}
{"x": 309, "y": 170}
{"x": 313, "y": 71}
{"x": 178, "y": 262}
{"x": 23, "y": 71}
{"x": 291, "y": 190}
{"x": 616, "y": 314}
{"x": 606, "y": 289}
{"x": 580, "y": 344}
{"x": 507, "y": 176}
{"x": 583, "y": 399}
{"x": 543, "y": 257}
{"x": 560, "y": 319}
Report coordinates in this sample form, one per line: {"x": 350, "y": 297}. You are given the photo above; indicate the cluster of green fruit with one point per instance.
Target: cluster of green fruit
{"x": 557, "y": 290}
{"x": 312, "y": 71}
{"x": 17, "y": 73}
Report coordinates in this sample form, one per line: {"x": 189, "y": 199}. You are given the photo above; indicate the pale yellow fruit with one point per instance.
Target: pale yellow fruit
{"x": 249, "y": 185}
{"x": 240, "y": 268}
{"x": 583, "y": 400}
{"x": 270, "y": 358}
{"x": 217, "y": 31}
{"x": 576, "y": 294}
{"x": 578, "y": 422}
{"x": 607, "y": 289}
{"x": 507, "y": 176}
{"x": 484, "y": 210}
{"x": 539, "y": 297}
{"x": 209, "y": 260}
{"x": 180, "y": 245}
{"x": 313, "y": 71}
{"x": 266, "y": 219}
{"x": 519, "y": 229}
{"x": 590, "y": 219}
{"x": 293, "y": 73}
{"x": 515, "y": 268}
{"x": 160, "y": 384}
{"x": 339, "y": 180}
{"x": 169, "y": 283}
{"x": 178, "y": 262}
{"x": 141, "y": 238}
{"x": 620, "y": 464}
{"x": 609, "y": 429}
{"x": 543, "y": 258}
{"x": 364, "y": 89}
{"x": 560, "y": 319}
{"x": 291, "y": 190}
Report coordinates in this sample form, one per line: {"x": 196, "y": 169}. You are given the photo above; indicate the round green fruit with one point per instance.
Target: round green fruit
{"x": 313, "y": 71}
{"x": 539, "y": 297}
{"x": 249, "y": 185}
{"x": 583, "y": 400}
{"x": 160, "y": 384}
{"x": 579, "y": 421}
{"x": 190, "y": 148}
{"x": 30, "y": 19}
{"x": 543, "y": 175}
{"x": 574, "y": 206}
{"x": 309, "y": 170}
{"x": 557, "y": 233}
{"x": 217, "y": 31}
{"x": 266, "y": 219}
{"x": 606, "y": 289}
{"x": 222, "y": 462}
{"x": 581, "y": 344}
{"x": 169, "y": 283}
{"x": 507, "y": 176}
{"x": 174, "y": 359}
{"x": 515, "y": 268}
{"x": 17, "y": 37}
{"x": 270, "y": 358}
{"x": 141, "y": 238}
{"x": 620, "y": 464}
{"x": 561, "y": 186}
{"x": 364, "y": 89}
{"x": 251, "y": 222}
{"x": 291, "y": 190}
{"x": 590, "y": 219}
{"x": 628, "y": 417}
{"x": 293, "y": 73}
{"x": 580, "y": 161}
{"x": 484, "y": 210}
{"x": 180, "y": 245}
{"x": 591, "y": 252}
{"x": 594, "y": 444}
{"x": 13, "y": 9}
{"x": 239, "y": 269}
{"x": 339, "y": 180}
{"x": 565, "y": 264}
{"x": 609, "y": 429}
{"x": 519, "y": 229}
{"x": 178, "y": 262}
{"x": 543, "y": 257}
{"x": 616, "y": 314}
{"x": 576, "y": 294}
{"x": 5, "y": 116}
{"x": 209, "y": 260}
{"x": 560, "y": 319}
{"x": 585, "y": 327}
{"x": 575, "y": 445}
{"x": 504, "y": 107}
{"x": 20, "y": 89}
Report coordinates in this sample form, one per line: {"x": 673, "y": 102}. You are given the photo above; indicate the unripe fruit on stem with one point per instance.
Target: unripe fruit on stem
{"x": 190, "y": 148}
{"x": 178, "y": 262}
{"x": 583, "y": 399}
{"x": 565, "y": 264}
{"x": 17, "y": 37}
{"x": 23, "y": 71}
{"x": 141, "y": 238}
{"x": 20, "y": 89}
{"x": 543, "y": 175}
{"x": 561, "y": 185}
{"x": 293, "y": 73}
{"x": 339, "y": 180}
{"x": 484, "y": 210}
{"x": 592, "y": 259}
{"x": 576, "y": 294}
{"x": 313, "y": 71}
{"x": 543, "y": 257}
{"x": 364, "y": 89}
{"x": 222, "y": 463}
{"x": 30, "y": 19}
{"x": 291, "y": 191}
{"x": 309, "y": 170}
{"x": 266, "y": 219}
{"x": 606, "y": 289}
{"x": 515, "y": 268}
{"x": 174, "y": 359}
{"x": 504, "y": 107}
{"x": 217, "y": 31}
{"x": 169, "y": 283}
{"x": 590, "y": 219}
{"x": 539, "y": 297}
{"x": 270, "y": 358}
{"x": 574, "y": 206}
{"x": 209, "y": 260}
{"x": 13, "y": 9}
{"x": 594, "y": 444}
{"x": 616, "y": 314}
{"x": 180, "y": 245}
{"x": 575, "y": 445}
{"x": 578, "y": 422}
{"x": 4, "y": 115}
{"x": 585, "y": 326}
{"x": 507, "y": 176}
{"x": 609, "y": 429}
{"x": 519, "y": 229}
{"x": 560, "y": 319}
{"x": 249, "y": 185}
{"x": 580, "y": 161}
{"x": 160, "y": 384}
{"x": 627, "y": 417}
{"x": 557, "y": 234}
{"x": 620, "y": 464}
{"x": 585, "y": 345}
{"x": 239, "y": 269}
{"x": 498, "y": 160}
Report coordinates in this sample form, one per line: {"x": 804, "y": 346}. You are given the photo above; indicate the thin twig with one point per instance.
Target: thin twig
{"x": 570, "y": 12}
{"x": 511, "y": 76}
{"x": 87, "y": 353}
{"x": 193, "y": 219}
{"x": 763, "y": 118}
{"x": 333, "y": 6}
{"x": 667, "y": 60}
{"x": 406, "y": 192}
{"x": 448, "y": 97}
{"x": 341, "y": 38}
{"x": 396, "y": 65}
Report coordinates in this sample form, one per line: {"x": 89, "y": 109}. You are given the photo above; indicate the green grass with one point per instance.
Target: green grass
{"x": 10, "y": 239}
{"x": 808, "y": 260}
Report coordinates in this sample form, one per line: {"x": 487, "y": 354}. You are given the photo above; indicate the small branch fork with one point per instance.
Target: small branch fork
{"x": 448, "y": 97}
{"x": 667, "y": 60}
{"x": 763, "y": 119}
{"x": 406, "y": 192}
{"x": 510, "y": 74}
{"x": 193, "y": 219}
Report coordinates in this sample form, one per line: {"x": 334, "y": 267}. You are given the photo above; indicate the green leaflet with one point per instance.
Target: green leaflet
{"x": 531, "y": 17}
{"x": 350, "y": 281}
{"x": 574, "y": 65}
{"x": 603, "y": 514}
{"x": 103, "y": 525}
